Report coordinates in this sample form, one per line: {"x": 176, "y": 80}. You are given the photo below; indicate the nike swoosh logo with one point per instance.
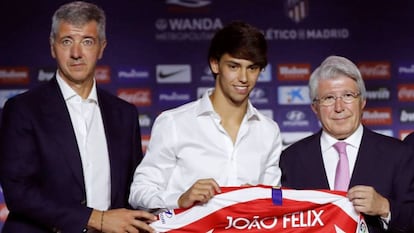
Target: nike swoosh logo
{"x": 166, "y": 75}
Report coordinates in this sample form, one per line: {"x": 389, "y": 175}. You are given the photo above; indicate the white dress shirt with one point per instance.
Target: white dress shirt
{"x": 189, "y": 143}
{"x": 89, "y": 130}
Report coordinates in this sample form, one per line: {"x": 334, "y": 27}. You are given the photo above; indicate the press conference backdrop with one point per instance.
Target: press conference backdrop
{"x": 156, "y": 55}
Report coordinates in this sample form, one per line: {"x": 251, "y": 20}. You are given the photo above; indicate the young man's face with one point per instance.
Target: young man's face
{"x": 235, "y": 78}
{"x": 76, "y": 50}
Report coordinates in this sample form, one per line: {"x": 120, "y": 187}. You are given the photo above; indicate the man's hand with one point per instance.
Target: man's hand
{"x": 366, "y": 200}
{"x": 121, "y": 221}
{"x": 200, "y": 192}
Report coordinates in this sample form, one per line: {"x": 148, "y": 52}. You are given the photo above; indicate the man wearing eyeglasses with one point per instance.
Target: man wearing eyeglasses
{"x": 376, "y": 171}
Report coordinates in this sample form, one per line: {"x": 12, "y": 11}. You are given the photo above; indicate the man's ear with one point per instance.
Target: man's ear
{"x": 214, "y": 65}
{"x": 52, "y": 50}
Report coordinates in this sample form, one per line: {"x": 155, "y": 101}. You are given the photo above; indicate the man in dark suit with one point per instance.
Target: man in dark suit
{"x": 378, "y": 170}
{"x": 69, "y": 149}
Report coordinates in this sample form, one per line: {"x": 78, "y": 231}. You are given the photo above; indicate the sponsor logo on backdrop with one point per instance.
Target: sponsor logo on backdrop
{"x": 377, "y": 116}
{"x": 145, "y": 120}
{"x": 375, "y": 70}
{"x": 173, "y": 73}
{"x": 293, "y": 72}
{"x": 289, "y": 138}
{"x": 259, "y": 95}
{"x": 14, "y": 75}
{"x": 45, "y": 74}
{"x": 293, "y": 95}
{"x": 307, "y": 34}
{"x": 265, "y": 75}
{"x": 133, "y": 74}
{"x": 174, "y": 96}
{"x": 103, "y": 74}
{"x": 189, "y": 3}
{"x": 295, "y": 118}
{"x": 140, "y": 97}
{"x": 267, "y": 112}
{"x": 7, "y": 94}
{"x": 379, "y": 93}
{"x": 186, "y": 29}
{"x": 144, "y": 142}
{"x": 406, "y": 71}
{"x": 296, "y": 10}
{"x": 407, "y": 115}
{"x": 406, "y": 92}
{"x": 207, "y": 75}
{"x": 386, "y": 132}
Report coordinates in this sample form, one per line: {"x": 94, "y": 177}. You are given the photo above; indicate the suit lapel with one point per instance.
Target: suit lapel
{"x": 59, "y": 124}
{"x": 364, "y": 158}
{"x": 111, "y": 118}
{"x": 314, "y": 161}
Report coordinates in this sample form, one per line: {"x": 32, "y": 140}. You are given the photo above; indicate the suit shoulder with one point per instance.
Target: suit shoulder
{"x": 31, "y": 96}
{"x": 302, "y": 143}
{"x": 113, "y": 99}
{"x": 384, "y": 139}
{"x": 409, "y": 139}
{"x": 386, "y": 143}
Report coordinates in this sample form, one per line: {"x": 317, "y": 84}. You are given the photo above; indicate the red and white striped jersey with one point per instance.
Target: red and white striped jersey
{"x": 266, "y": 209}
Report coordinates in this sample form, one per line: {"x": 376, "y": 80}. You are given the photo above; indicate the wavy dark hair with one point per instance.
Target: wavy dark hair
{"x": 240, "y": 40}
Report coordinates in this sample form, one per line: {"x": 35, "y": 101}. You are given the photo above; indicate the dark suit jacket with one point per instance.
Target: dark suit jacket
{"x": 40, "y": 165}
{"x": 384, "y": 163}
{"x": 409, "y": 139}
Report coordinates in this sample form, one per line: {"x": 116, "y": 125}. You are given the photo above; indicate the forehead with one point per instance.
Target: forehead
{"x": 67, "y": 29}
{"x": 228, "y": 58}
{"x": 339, "y": 83}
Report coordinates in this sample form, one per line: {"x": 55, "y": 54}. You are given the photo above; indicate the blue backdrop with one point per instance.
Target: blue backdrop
{"x": 147, "y": 39}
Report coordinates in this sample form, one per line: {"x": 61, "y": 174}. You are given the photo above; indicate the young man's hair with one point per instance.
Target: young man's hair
{"x": 239, "y": 40}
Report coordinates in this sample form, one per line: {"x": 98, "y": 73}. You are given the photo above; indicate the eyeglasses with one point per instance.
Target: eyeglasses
{"x": 329, "y": 100}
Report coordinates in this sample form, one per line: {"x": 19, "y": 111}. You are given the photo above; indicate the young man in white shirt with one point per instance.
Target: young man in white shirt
{"x": 218, "y": 140}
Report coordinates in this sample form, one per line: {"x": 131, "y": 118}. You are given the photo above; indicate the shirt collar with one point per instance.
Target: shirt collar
{"x": 206, "y": 107}
{"x": 354, "y": 140}
{"x": 69, "y": 93}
